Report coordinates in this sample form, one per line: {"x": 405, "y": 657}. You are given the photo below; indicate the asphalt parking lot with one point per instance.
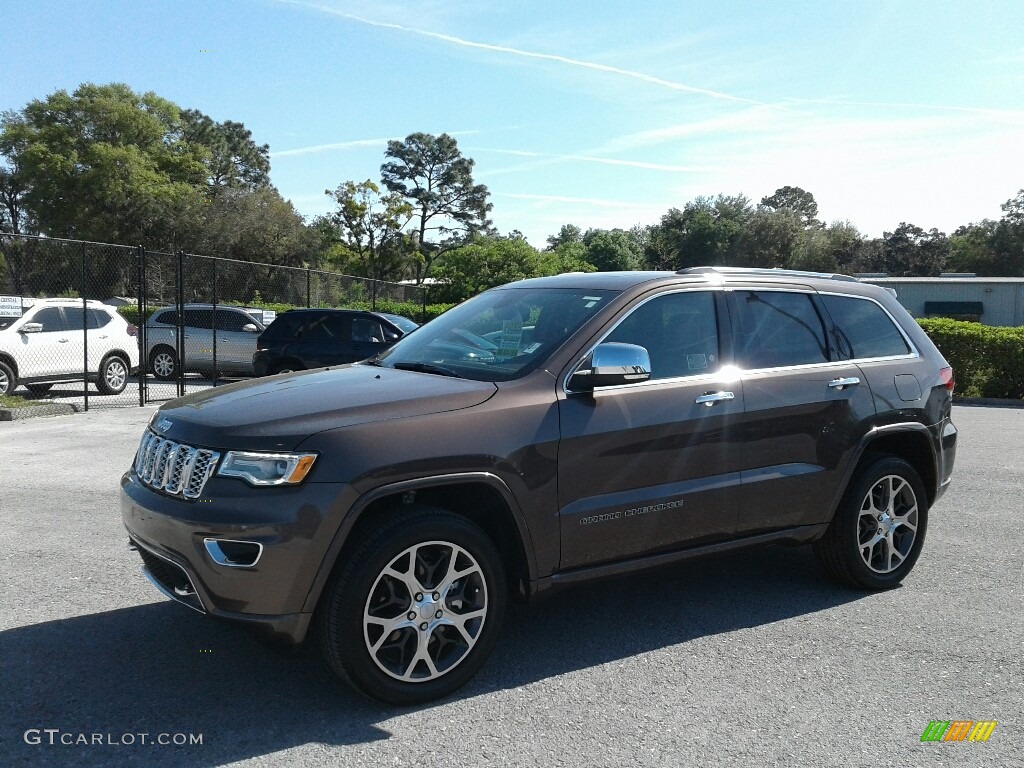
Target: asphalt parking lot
{"x": 754, "y": 659}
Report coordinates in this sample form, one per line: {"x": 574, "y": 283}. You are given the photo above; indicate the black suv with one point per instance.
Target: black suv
{"x": 316, "y": 338}
{"x": 544, "y": 433}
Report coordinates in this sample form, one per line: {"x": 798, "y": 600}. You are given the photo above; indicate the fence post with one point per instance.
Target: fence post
{"x": 85, "y": 325}
{"x": 180, "y": 329}
{"x": 308, "y": 295}
{"x": 213, "y": 322}
{"x": 140, "y": 328}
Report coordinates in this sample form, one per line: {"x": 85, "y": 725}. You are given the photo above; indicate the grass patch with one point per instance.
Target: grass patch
{"x": 13, "y": 401}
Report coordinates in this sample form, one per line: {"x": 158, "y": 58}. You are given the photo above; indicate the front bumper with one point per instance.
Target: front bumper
{"x": 294, "y": 528}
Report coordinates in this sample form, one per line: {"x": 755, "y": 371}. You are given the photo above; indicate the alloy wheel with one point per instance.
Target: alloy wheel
{"x": 425, "y": 611}
{"x": 887, "y": 524}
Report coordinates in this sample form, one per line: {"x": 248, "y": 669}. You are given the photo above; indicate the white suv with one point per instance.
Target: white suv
{"x": 48, "y": 344}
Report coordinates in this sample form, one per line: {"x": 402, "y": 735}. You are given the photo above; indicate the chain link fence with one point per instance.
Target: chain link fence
{"x": 99, "y": 325}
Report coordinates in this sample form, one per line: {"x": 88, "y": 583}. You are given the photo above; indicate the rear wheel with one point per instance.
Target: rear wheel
{"x": 416, "y": 608}
{"x": 113, "y": 376}
{"x": 164, "y": 363}
{"x": 879, "y": 528}
{"x": 8, "y": 381}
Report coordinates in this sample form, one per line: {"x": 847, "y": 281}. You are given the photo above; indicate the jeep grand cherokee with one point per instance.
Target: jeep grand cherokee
{"x": 546, "y": 432}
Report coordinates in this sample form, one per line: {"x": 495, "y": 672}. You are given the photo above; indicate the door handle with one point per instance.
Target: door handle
{"x": 711, "y": 398}
{"x": 62, "y": 341}
{"x": 852, "y": 381}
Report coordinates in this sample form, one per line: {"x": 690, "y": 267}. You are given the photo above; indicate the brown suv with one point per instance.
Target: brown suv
{"x": 547, "y": 432}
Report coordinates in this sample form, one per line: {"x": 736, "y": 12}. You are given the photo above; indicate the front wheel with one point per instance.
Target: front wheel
{"x": 8, "y": 381}
{"x": 416, "y": 608}
{"x": 113, "y": 376}
{"x": 878, "y": 530}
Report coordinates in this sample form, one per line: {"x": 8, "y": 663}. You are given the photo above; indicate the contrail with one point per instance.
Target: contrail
{"x": 671, "y": 84}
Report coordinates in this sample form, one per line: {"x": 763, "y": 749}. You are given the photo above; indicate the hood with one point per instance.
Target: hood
{"x": 278, "y": 412}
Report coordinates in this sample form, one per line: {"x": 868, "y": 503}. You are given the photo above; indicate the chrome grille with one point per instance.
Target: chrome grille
{"x": 174, "y": 468}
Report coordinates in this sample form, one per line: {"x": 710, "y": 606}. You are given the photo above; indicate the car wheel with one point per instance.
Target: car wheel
{"x": 8, "y": 381}
{"x": 879, "y": 528}
{"x": 164, "y": 363}
{"x": 113, "y": 376}
{"x": 38, "y": 390}
{"x": 416, "y": 608}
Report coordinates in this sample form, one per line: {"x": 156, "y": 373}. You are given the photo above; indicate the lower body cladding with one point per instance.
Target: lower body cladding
{"x": 249, "y": 555}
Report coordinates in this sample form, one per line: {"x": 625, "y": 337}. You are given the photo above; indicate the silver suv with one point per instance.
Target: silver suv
{"x": 49, "y": 343}
{"x": 216, "y": 338}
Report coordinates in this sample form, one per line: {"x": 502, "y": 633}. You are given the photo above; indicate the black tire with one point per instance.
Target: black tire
{"x": 879, "y": 527}
{"x": 163, "y": 362}
{"x": 287, "y": 366}
{"x": 363, "y": 606}
{"x": 38, "y": 390}
{"x": 113, "y": 375}
{"x": 8, "y": 381}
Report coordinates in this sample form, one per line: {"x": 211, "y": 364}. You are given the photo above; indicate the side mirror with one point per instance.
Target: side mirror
{"x": 250, "y": 328}
{"x": 31, "y": 328}
{"x": 613, "y": 364}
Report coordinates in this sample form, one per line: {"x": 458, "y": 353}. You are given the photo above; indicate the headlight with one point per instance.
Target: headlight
{"x": 267, "y": 468}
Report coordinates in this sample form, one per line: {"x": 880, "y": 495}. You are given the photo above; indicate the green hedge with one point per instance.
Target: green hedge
{"x": 410, "y": 309}
{"x": 987, "y": 361}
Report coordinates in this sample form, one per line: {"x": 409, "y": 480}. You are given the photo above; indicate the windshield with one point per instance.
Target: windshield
{"x": 499, "y": 335}
{"x": 404, "y": 323}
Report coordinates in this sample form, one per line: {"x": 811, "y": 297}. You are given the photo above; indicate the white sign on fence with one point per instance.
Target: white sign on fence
{"x": 10, "y": 306}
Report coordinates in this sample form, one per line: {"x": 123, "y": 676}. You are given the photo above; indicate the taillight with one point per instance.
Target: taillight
{"x": 946, "y": 376}
{"x": 132, "y": 330}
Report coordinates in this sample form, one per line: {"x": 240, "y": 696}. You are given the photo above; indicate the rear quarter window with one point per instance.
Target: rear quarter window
{"x": 863, "y": 329}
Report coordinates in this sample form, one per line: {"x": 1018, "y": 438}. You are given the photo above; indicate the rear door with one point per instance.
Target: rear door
{"x": 804, "y": 409}
{"x": 648, "y": 467}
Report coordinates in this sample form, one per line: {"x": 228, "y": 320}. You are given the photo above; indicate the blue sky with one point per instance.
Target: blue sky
{"x": 593, "y": 113}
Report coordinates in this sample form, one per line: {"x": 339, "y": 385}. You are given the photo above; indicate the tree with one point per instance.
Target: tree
{"x": 433, "y": 176}
{"x": 569, "y": 233}
{"x": 910, "y": 251}
{"x": 972, "y": 248}
{"x": 233, "y": 160}
{"x": 770, "y": 238}
{"x": 485, "y": 262}
{"x": 795, "y": 200}
{"x": 612, "y": 250}
{"x": 706, "y": 232}
{"x": 370, "y": 225}
{"x": 14, "y": 217}
{"x": 104, "y": 163}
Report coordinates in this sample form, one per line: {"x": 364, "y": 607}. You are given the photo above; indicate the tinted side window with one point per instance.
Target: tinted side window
{"x": 167, "y": 318}
{"x": 199, "y": 318}
{"x": 328, "y": 328}
{"x": 863, "y": 329}
{"x": 73, "y": 320}
{"x": 50, "y": 319}
{"x": 228, "y": 320}
{"x": 98, "y": 318}
{"x": 678, "y": 330}
{"x": 286, "y": 326}
{"x": 366, "y": 330}
{"x": 778, "y": 328}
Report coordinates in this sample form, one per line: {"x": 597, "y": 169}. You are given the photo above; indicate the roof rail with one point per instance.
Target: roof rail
{"x": 774, "y": 272}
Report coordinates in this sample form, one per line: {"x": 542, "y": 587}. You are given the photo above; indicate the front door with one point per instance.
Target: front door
{"x": 652, "y": 467}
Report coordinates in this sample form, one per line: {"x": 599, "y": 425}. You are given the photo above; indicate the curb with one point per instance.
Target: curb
{"x": 998, "y": 402}
{"x": 31, "y": 411}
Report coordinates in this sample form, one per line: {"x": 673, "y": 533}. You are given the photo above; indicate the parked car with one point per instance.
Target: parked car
{"x": 233, "y": 344}
{"x": 316, "y": 338}
{"x": 393, "y": 506}
{"x": 47, "y": 345}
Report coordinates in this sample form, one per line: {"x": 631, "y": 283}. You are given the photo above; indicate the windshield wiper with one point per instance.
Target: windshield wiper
{"x": 440, "y": 370}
